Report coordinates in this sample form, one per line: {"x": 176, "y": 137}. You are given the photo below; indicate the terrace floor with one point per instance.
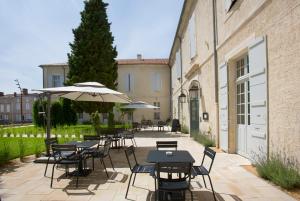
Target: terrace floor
{"x": 25, "y": 181}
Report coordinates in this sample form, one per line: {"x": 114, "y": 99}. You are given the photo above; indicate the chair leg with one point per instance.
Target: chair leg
{"x": 46, "y": 166}
{"x": 212, "y": 188}
{"x": 128, "y": 185}
{"x": 135, "y": 142}
{"x": 104, "y": 167}
{"x": 52, "y": 175}
{"x": 155, "y": 191}
{"x": 133, "y": 179}
{"x": 93, "y": 161}
{"x": 192, "y": 198}
{"x": 204, "y": 181}
{"x": 112, "y": 165}
{"x": 77, "y": 175}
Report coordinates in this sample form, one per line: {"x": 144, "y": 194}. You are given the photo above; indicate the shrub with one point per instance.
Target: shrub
{"x": 4, "y": 152}
{"x": 21, "y": 148}
{"x": 205, "y": 140}
{"x": 281, "y": 172}
{"x": 184, "y": 129}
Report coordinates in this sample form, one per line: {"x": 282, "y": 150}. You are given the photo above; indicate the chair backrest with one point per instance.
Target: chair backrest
{"x": 61, "y": 151}
{"x": 166, "y": 144}
{"x": 91, "y": 137}
{"x": 208, "y": 152}
{"x": 183, "y": 170}
{"x": 106, "y": 147}
{"x": 49, "y": 142}
{"x": 129, "y": 152}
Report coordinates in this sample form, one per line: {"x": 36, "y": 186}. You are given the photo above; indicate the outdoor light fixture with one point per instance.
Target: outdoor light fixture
{"x": 193, "y": 92}
{"x": 182, "y": 98}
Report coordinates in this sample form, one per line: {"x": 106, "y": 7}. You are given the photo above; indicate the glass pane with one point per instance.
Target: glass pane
{"x": 242, "y": 72}
{"x": 238, "y": 109}
{"x": 242, "y": 87}
{"x": 242, "y": 119}
{"x": 243, "y": 109}
{"x": 238, "y": 119}
{"x": 249, "y": 120}
{"x": 238, "y": 89}
{"x": 242, "y": 98}
{"x": 238, "y": 99}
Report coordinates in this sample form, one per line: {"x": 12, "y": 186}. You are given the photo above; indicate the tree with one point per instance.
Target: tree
{"x": 92, "y": 56}
{"x": 38, "y": 113}
{"x": 69, "y": 114}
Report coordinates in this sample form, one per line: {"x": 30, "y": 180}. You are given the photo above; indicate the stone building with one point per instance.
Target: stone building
{"x": 237, "y": 63}
{"x": 141, "y": 79}
{"x": 13, "y": 110}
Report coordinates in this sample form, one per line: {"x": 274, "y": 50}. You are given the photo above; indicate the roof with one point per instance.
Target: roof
{"x": 143, "y": 61}
{"x": 122, "y": 62}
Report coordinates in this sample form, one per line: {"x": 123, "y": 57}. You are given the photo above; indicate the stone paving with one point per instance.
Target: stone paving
{"x": 231, "y": 181}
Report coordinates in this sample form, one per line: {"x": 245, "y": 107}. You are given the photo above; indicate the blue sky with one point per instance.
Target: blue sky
{"x": 35, "y": 32}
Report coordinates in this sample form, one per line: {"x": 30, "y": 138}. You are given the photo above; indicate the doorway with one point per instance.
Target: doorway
{"x": 194, "y": 107}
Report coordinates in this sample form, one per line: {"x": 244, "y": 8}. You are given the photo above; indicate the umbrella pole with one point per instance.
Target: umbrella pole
{"x": 48, "y": 131}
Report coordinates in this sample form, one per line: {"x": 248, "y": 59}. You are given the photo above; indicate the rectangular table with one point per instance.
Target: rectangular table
{"x": 157, "y": 156}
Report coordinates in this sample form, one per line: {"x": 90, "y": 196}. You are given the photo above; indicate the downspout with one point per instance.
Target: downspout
{"x": 214, "y": 11}
{"x": 171, "y": 93}
{"x": 181, "y": 80}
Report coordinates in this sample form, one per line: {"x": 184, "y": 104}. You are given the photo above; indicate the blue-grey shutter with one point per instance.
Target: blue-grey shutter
{"x": 223, "y": 107}
{"x": 258, "y": 97}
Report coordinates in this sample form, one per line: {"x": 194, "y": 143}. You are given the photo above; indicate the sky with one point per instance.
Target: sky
{"x": 35, "y": 32}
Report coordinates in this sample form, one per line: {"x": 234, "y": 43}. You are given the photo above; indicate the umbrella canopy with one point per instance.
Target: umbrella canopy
{"x": 88, "y": 91}
{"x": 139, "y": 105}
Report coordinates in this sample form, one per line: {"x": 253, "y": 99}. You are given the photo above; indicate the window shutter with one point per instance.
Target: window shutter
{"x": 131, "y": 82}
{"x": 178, "y": 64}
{"x": 258, "y": 96}
{"x": 223, "y": 107}
{"x": 192, "y": 35}
{"x": 153, "y": 81}
{"x": 126, "y": 84}
{"x": 61, "y": 79}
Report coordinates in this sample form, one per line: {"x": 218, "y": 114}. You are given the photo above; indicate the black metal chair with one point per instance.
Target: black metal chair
{"x": 128, "y": 135}
{"x": 175, "y": 184}
{"x": 48, "y": 143}
{"x": 166, "y": 145}
{"x": 136, "y": 168}
{"x": 102, "y": 154}
{"x": 89, "y": 152}
{"x": 203, "y": 171}
{"x": 66, "y": 155}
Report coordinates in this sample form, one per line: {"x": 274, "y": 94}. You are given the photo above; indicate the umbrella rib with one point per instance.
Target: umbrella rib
{"x": 79, "y": 96}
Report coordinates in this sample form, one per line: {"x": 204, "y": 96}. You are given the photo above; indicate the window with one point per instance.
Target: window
{"x": 18, "y": 106}
{"x": 27, "y": 106}
{"x": 192, "y": 36}
{"x": 28, "y": 117}
{"x": 1, "y": 116}
{"x": 5, "y": 117}
{"x": 18, "y": 117}
{"x": 80, "y": 115}
{"x": 1, "y": 108}
{"x": 56, "y": 82}
{"x": 241, "y": 103}
{"x": 242, "y": 67}
{"x": 129, "y": 82}
{"x": 7, "y": 107}
{"x": 156, "y": 82}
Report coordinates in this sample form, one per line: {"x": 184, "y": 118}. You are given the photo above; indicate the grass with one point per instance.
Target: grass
{"x": 205, "y": 140}
{"x": 184, "y": 129}
{"x": 19, "y": 142}
{"x": 281, "y": 172}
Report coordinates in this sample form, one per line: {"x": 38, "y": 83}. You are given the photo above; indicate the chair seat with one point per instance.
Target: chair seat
{"x": 199, "y": 170}
{"x": 143, "y": 169}
{"x": 66, "y": 162}
{"x": 173, "y": 185}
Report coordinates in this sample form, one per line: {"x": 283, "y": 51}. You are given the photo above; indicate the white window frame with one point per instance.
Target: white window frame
{"x": 56, "y": 82}
{"x": 27, "y": 106}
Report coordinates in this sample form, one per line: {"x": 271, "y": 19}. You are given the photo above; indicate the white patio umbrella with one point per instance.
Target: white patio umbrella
{"x": 86, "y": 91}
{"x": 139, "y": 105}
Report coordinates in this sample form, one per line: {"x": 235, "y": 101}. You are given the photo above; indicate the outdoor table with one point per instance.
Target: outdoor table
{"x": 181, "y": 156}
{"x": 82, "y": 146}
{"x": 116, "y": 139}
{"x": 159, "y": 156}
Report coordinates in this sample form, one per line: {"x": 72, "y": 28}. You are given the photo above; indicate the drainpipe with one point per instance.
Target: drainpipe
{"x": 181, "y": 80}
{"x": 171, "y": 93}
{"x": 214, "y": 12}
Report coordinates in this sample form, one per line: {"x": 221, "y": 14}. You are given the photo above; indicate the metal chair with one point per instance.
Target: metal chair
{"x": 136, "y": 168}
{"x": 66, "y": 155}
{"x": 128, "y": 136}
{"x": 48, "y": 143}
{"x": 203, "y": 171}
{"x": 103, "y": 153}
{"x": 166, "y": 145}
{"x": 89, "y": 152}
{"x": 171, "y": 185}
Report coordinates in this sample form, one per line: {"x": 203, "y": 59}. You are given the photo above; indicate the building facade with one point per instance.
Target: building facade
{"x": 141, "y": 79}
{"x": 13, "y": 108}
{"x": 242, "y": 57}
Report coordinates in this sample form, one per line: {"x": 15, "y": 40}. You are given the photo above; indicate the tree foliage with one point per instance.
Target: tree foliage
{"x": 92, "y": 56}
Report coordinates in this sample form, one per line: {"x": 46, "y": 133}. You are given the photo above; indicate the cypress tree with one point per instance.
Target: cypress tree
{"x": 92, "y": 56}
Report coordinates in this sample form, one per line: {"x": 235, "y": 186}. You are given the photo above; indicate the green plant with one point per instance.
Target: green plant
{"x": 21, "y": 148}
{"x": 203, "y": 139}
{"x": 280, "y": 171}
{"x": 4, "y": 152}
{"x": 184, "y": 129}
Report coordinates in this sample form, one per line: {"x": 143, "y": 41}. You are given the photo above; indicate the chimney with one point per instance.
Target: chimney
{"x": 139, "y": 56}
{"x": 25, "y": 91}
{"x": 15, "y": 94}
{"x": 1, "y": 93}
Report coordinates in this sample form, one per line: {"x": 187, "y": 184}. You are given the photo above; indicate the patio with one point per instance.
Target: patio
{"x": 25, "y": 181}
